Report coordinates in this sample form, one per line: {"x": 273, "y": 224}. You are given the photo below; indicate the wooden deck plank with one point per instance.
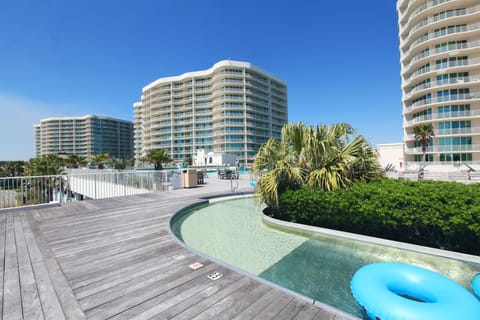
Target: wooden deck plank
{"x": 96, "y": 253}
{"x": 52, "y": 309}
{"x": 113, "y": 259}
{"x": 244, "y": 302}
{"x": 185, "y": 293}
{"x": 193, "y": 300}
{"x": 146, "y": 292}
{"x": 273, "y": 308}
{"x": 106, "y": 271}
{"x": 79, "y": 243}
{"x": 69, "y": 303}
{"x": 133, "y": 283}
{"x": 208, "y": 302}
{"x": 77, "y": 220}
{"x": 96, "y": 225}
{"x": 259, "y": 305}
{"x": 126, "y": 273}
{"x": 308, "y": 312}
{"x": 325, "y": 315}
{"x": 12, "y": 303}
{"x": 31, "y": 305}
{"x": 227, "y": 302}
{"x": 291, "y": 310}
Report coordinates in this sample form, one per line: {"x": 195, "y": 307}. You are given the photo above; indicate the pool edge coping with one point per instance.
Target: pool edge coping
{"x": 216, "y": 199}
{"x": 374, "y": 240}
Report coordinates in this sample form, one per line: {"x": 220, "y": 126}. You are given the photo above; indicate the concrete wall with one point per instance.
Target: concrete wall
{"x": 391, "y": 153}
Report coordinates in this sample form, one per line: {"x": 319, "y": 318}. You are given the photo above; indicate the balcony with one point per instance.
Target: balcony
{"x": 457, "y": 97}
{"x": 440, "y": 20}
{"x": 443, "y": 33}
{"x": 445, "y": 148}
{"x": 440, "y": 83}
{"x": 419, "y": 10}
{"x": 443, "y": 116}
{"x": 450, "y": 49}
{"x": 451, "y": 132}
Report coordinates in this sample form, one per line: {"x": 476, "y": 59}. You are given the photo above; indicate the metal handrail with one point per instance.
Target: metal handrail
{"x": 82, "y": 184}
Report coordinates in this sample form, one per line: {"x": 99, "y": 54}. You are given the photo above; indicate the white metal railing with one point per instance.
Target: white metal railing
{"x": 80, "y": 184}
{"x": 22, "y": 191}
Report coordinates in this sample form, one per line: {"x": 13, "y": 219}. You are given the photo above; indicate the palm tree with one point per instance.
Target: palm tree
{"x": 14, "y": 168}
{"x": 75, "y": 161}
{"x": 279, "y": 171}
{"x": 100, "y": 159}
{"x": 48, "y": 165}
{"x": 325, "y": 157}
{"x": 157, "y": 158}
{"x": 423, "y": 134}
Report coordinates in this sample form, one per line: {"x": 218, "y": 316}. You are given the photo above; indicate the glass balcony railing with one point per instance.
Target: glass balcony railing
{"x": 452, "y": 97}
{"x": 444, "y": 148}
{"x": 443, "y": 82}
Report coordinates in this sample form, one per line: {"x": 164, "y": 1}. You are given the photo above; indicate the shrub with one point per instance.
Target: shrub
{"x": 444, "y": 215}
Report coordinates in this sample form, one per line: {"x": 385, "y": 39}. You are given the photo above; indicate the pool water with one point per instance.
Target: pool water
{"x": 316, "y": 266}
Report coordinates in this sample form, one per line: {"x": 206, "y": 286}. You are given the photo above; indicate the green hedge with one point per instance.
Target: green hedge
{"x": 444, "y": 215}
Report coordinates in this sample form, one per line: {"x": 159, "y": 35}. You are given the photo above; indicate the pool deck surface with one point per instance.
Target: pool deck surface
{"x": 115, "y": 259}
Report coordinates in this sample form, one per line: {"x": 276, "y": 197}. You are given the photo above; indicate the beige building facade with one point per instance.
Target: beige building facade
{"x": 84, "y": 136}
{"x": 232, "y": 108}
{"x": 440, "y": 72}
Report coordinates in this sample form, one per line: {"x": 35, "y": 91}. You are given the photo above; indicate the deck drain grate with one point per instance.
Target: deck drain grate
{"x": 196, "y": 265}
{"x": 178, "y": 256}
{"x": 214, "y": 276}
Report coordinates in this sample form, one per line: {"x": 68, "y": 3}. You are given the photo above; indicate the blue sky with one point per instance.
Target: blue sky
{"x": 340, "y": 59}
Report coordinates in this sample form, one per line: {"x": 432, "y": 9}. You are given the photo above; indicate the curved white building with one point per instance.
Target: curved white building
{"x": 231, "y": 108}
{"x": 440, "y": 71}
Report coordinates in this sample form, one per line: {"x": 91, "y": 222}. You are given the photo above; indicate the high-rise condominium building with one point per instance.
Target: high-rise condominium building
{"x": 84, "y": 136}
{"x": 231, "y": 108}
{"x": 440, "y": 71}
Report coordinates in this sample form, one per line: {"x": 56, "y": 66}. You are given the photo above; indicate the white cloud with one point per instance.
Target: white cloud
{"x": 17, "y": 116}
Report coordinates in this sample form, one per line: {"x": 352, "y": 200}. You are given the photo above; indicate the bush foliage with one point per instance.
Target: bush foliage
{"x": 444, "y": 215}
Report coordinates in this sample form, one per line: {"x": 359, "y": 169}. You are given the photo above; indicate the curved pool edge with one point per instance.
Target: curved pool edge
{"x": 205, "y": 202}
{"x": 297, "y": 227}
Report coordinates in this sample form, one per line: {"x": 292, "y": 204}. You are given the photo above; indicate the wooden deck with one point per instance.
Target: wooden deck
{"x": 114, "y": 259}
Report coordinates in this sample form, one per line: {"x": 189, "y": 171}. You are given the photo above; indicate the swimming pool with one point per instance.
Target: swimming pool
{"x": 316, "y": 266}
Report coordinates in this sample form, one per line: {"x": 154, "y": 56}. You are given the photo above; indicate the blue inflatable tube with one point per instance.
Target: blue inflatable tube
{"x": 476, "y": 285}
{"x": 391, "y": 291}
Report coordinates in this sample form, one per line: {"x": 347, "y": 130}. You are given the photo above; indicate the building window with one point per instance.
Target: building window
{"x": 449, "y": 157}
{"x": 450, "y": 29}
{"x": 453, "y": 94}
{"x": 451, "y": 45}
{"x": 452, "y": 78}
{"x": 428, "y": 157}
{"x": 449, "y": 13}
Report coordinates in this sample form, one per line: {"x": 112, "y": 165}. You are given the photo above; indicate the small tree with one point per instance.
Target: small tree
{"x": 188, "y": 161}
{"x": 100, "y": 159}
{"x": 48, "y": 165}
{"x": 13, "y": 168}
{"x": 323, "y": 157}
{"x": 423, "y": 134}
{"x": 75, "y": 161}
{"x": 157, "y": 158}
